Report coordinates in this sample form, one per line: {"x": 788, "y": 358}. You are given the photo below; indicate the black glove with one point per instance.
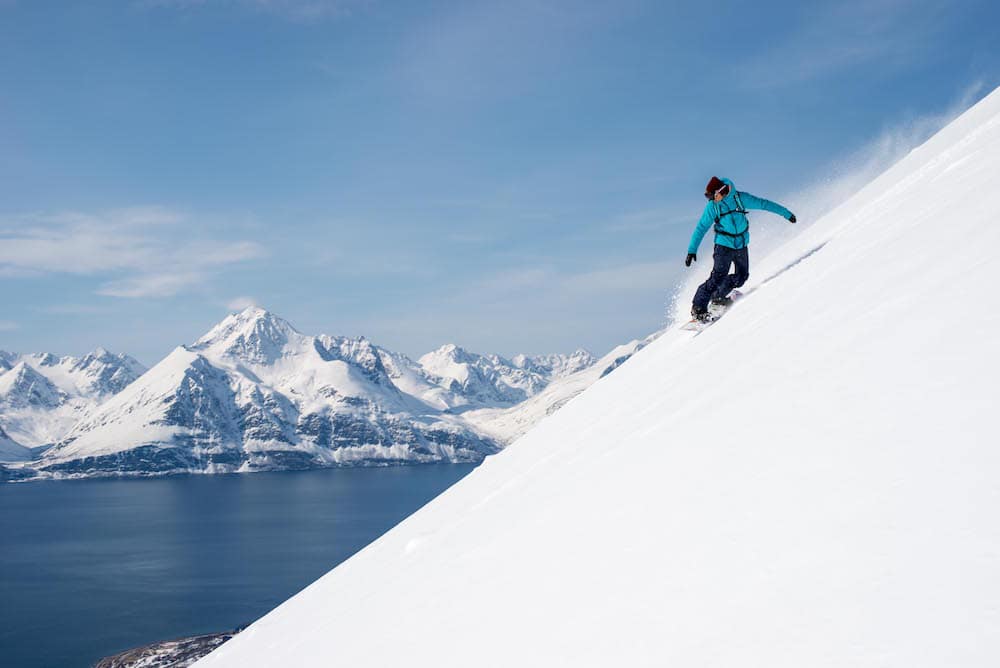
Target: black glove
{"x": 791, "y": 218}
{"x": 691, "y": 257}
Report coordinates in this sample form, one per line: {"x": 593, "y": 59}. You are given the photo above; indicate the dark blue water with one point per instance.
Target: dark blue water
{"x": 92, "y": 567}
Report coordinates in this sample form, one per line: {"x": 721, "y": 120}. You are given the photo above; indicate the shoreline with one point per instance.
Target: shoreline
{"x": 176, "y": 653}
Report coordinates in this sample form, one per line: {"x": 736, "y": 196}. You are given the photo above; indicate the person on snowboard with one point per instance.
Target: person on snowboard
{"x": 726, "y": 210}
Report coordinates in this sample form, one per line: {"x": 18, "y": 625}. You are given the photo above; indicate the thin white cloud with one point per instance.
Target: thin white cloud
{"x": 143, "y": 252}
{"x": 240, "y": 303}
{"x": 151, "y": 285}
{"x": 72, "y": 309}
{"x": 8, "y": 326}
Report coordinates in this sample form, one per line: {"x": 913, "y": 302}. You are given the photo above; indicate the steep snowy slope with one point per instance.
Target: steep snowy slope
{"x": 812, "y": 481}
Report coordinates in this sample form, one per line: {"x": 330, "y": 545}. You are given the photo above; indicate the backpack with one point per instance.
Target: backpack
{"x": 739, "y": 209}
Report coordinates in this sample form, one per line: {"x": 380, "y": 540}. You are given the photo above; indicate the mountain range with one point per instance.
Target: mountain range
{"x": 254, "y": 393}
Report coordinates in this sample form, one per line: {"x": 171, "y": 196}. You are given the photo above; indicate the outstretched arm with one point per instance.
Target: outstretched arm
{"x": 699, "y": 232}
{"x": 754, "y": 202}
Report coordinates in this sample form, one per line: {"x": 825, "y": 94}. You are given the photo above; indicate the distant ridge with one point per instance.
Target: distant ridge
{"x": 254, "y": 393}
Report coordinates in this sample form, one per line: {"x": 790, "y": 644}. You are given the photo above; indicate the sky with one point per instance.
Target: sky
{"x": 508, "y": 176}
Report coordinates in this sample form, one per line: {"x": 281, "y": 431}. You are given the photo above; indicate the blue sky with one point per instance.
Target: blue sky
{"x": 510, "y": 176}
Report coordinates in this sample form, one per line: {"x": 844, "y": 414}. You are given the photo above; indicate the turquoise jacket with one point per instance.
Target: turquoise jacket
{"x": 732, "y": 229}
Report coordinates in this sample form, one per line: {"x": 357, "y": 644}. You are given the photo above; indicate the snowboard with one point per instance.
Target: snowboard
{"x": 715, "y": 312}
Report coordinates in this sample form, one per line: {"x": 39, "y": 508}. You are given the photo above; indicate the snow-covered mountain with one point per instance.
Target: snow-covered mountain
{"x": 479, "y": 378}
{"x": 42, "y": 396}
{"x": 254, "y": 393}
{"x": 556, "y": 366}
{"x": 811, "y": 481}
{"x": 572, "y": 375}
{"x": 451, "y": 378}
{"x": 491, "y": 380}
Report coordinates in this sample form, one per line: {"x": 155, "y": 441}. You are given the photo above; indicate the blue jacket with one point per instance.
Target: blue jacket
{"x": 732, "y": 229}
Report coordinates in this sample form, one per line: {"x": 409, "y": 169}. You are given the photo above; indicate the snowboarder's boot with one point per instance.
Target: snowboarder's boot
{"x": 722, "y": 301}
{"x": 701, "y": 315}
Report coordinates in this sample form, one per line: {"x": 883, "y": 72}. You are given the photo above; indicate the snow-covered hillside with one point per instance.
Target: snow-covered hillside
{"x": 811, "y": 481}
{"x": 42, "y": 396}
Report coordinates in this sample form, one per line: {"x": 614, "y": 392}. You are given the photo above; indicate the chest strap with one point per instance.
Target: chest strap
{"x": 739, "y": 209}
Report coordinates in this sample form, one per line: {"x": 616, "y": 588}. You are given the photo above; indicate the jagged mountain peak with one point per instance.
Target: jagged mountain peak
{"x": 483, "y": 379}
{"x": 450, "y": 351}
{"x": 104, "y": 372}
{"x": 42, "y": 395}
{"x": 47, "y": 359}
{"x": 555, "y": 365}
{"x": 252, "y": 318}
{"x": 254, "y": 334}
{"x": 24, "y": 371}
{"x": 24, "y": 386}
{"x": 100, "y": 355}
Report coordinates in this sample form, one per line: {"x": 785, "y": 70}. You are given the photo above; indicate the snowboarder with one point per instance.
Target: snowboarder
{"x": 726, "y": 210}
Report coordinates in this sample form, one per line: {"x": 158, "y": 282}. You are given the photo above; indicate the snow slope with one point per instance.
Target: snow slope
{"x": 812, "y": 481}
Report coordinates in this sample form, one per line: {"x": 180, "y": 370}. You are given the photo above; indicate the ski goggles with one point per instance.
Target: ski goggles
{"x": 724, "y": 190}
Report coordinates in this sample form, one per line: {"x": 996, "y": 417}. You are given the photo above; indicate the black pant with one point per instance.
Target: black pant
{"x": 720, "y": 283}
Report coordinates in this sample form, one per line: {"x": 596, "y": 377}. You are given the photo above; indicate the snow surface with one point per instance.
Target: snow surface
{"x": 811, "y": 481}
